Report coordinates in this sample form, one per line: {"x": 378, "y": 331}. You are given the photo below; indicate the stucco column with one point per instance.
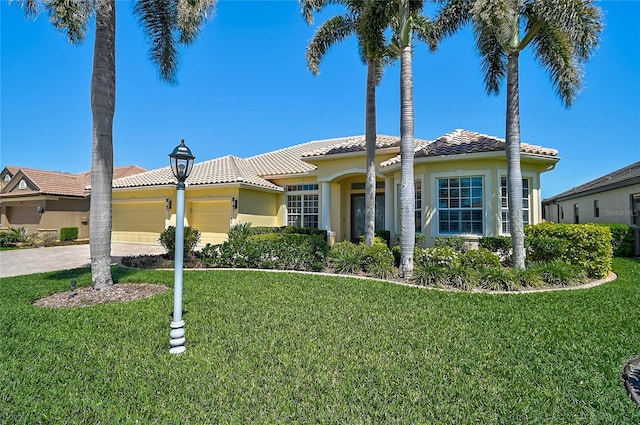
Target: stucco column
{"x": 325, "y": 200}
{"x": 388, "y": 206}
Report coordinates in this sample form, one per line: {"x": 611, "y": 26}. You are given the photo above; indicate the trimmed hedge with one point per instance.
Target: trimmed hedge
{"x": 283, "y": 251}
{"x": 68, "y": 234}
{"x": 588, "y": 245}
{"x": 621, "y": 238}
{"x": 375, "y": 260}
{"x": 455, "y": 242}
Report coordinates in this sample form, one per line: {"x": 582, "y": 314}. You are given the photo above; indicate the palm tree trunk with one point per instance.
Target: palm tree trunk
{"x": 407, "y": 148}
{"x": 514, "y": 173}
{"x": 370, "y": 143}
{"x": 103, "y": 96}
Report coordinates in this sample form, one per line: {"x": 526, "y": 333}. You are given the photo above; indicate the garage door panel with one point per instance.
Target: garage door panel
{"x": 147, "y": 217}
{"x": 211, "y": 217}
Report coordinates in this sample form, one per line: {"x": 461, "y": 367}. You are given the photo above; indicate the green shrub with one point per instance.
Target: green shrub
{"x": 377, "y": 260}
{"x": 544, "y": 248}
{"x": 168, "y": 240}
{"x": 478, "y": 259}
{"x": 501, "y": 245}
{"x": 461, "y": 277}
{"x": 589, "y": 245}
{"x": 43, "y": 238}
{"x": 428, "y": 274}
{"x": 8, "y": 238}
{"x": 527, "y": 278}
{"x": 621, "y": 238}
{"x": 288, "y": 251}
{"x": 385, "y": 235}
{"x": 240, "y": 231}
{"x": 455, "y": 242}
{"x": 420, "y": 238}
{"x": 559, "y": 273}
{"x": 497, "y": 279}
{"x": 345, "y": 257}
{"x": 441, "y": 256}
{"x": 68, "y": 234}
{"x": 279, "y": 251}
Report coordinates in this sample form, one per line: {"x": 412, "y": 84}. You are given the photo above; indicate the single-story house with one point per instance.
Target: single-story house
{"x": 40, "y": 200}
{"x": 612, "y": 198}
{"x": 460, "y": 184}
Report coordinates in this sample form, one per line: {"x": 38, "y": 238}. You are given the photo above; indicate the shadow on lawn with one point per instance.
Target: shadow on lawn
{"x": 83, "y": 274}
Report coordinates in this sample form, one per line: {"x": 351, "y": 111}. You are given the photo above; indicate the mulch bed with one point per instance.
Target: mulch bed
{"x": 87, "y": 296}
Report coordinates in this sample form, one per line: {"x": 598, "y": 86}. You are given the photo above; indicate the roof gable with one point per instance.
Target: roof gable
{"x": 463, "y": 142}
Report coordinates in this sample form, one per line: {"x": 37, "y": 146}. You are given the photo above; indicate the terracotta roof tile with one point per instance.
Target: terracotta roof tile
{"x": 460, "y": 142}
{"x": 228, "y": 169}
{"x": 63, "y": 184}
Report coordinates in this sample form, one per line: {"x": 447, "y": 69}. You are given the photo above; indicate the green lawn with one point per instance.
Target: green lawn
{"x": 292, "y": 348}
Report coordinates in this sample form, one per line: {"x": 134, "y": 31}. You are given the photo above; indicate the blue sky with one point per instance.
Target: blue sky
{"x": 244, "y": 88}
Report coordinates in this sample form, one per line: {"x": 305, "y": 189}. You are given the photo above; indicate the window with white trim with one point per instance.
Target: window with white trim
{"x": 504, "y": 199}
{"x": 460, "y": 205}
{"x": 303, "y": 205}
{"x": 22, "y": 185}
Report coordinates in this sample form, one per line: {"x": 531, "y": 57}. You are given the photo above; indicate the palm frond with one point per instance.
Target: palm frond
{"x": 424, "y": 30}
{"x": 494, "y": 58}
{"x": 158, "y": 19}
{"x": 581, "y": 20}
{"x": 331, "y": 32}
{"x": 496, "y": 17}
{"x": 192, "y": 14}
{"x": 69, "y": 16}
{"x": 553, "y": 48}
{"x": 450, "y": 18}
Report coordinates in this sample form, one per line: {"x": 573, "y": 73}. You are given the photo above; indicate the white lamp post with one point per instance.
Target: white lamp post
{"x": 181, "y": 160}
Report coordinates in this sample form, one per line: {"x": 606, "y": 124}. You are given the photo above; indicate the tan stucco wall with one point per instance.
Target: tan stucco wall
{"x": 57, "y": 214}
{"x": 614, "y": 206}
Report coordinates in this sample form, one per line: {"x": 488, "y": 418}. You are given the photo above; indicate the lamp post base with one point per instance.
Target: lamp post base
{"x": 177, "y": 338}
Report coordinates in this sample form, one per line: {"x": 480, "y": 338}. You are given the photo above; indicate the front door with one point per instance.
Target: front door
{"x": 358, "y": 215}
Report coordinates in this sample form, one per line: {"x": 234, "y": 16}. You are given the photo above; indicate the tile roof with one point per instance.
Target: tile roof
{"x": 351, "y": 144}
{"x": 54, "y": 182}
{"x": 625, "y": 176}
{"x": 253, "y": 170}
{"x": 62, "y": 184}
{"x": 460, "y": 142}
{"x": 228, "y": 169}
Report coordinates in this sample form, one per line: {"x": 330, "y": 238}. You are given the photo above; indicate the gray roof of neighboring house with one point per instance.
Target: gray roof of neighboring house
{"x": 625, "y": 176}
{"x": 460, "y": 142}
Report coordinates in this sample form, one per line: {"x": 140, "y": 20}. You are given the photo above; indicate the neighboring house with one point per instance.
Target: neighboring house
{"x": 460, "y": 181}
{"x": 612, "y": 198}
{"x": 40, "y": 200}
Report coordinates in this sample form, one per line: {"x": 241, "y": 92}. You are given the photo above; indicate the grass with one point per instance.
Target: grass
{"x": 289, "y": 348}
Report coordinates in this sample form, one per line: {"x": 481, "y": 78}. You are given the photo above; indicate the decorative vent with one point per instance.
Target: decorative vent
{"x": 22, "y": 185}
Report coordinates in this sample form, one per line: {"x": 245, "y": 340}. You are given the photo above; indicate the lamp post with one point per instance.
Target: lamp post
{"x": 181, "y": 160}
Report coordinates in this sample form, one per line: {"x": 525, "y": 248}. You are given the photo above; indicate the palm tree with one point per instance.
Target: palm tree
{"x": 166, "y": 23}
{"x": 368, "y": 20}
{"x": 564, "y": 35}
{"x": 410, "y": 22}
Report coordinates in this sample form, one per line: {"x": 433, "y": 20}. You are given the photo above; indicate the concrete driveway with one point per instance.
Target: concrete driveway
{"x": 36, "y": 260}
